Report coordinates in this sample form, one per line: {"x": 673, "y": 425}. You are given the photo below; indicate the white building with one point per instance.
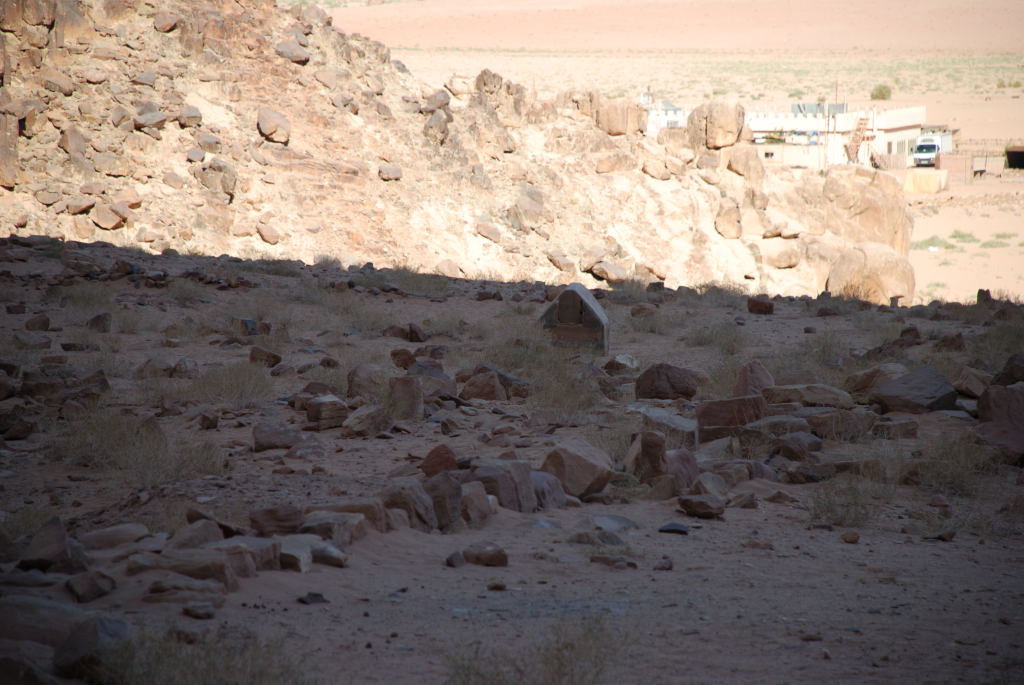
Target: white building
{"x": 819, "y": 137}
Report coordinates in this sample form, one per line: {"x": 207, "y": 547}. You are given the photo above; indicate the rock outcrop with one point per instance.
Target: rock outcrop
{"x": 247, "y": 149}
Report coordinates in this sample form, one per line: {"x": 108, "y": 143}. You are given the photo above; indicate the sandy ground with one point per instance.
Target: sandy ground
{"x": 763, "y": 595}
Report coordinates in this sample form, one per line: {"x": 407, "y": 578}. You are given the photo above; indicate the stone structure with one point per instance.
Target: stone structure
{"x": 576, "y": 318}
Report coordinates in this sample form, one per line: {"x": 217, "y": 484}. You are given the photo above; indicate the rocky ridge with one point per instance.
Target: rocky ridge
{"x": 256, "y": 131}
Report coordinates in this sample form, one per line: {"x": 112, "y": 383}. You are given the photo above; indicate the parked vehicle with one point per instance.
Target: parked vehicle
{"x": 927, "y": 148}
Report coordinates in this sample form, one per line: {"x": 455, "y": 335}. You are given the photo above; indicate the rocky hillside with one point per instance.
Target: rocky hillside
{"x": 242, "y": 128}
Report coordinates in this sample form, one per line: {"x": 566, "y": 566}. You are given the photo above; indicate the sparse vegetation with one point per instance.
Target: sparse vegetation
{"x": 240, "y": 384}
{"x": 963, "y": 237}
{"x": 135, "y": 447}
{"x": 162, "y": 657}
{"x": 881, "y": 92}
{"x": 933, "y": 241}
{"x": 569, "y": 654}
{"x": 725, "y": 336}
{"x": 842, "y": 502}
{"x": 954, "y": 464}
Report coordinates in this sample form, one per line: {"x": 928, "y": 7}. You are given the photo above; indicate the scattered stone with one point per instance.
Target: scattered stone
{"x": 760, "y": 305}
{"x": 390, "y": 172}
{"x": 485, "y": 554}
{"x": 90, "y": 585}
{"x": 674, "y": 528}
{"x": 313, "y": 598}
{"x": 702, "y": 506}
{"x": 270, "y": 435}
{"x": 280, "y": 520}
{"x": 850, "y": 537}
{"x": 273, "y": 125}
{"x": 663, "y": 564}
{"x": 292, "y": 51}
{"x": 202, "y": 611}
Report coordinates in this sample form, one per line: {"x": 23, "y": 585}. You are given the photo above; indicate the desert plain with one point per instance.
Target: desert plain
{"x": 230, "y": 466}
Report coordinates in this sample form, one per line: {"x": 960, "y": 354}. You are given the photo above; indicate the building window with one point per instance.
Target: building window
{"x": 888, "y": 148}
{"x": 769, "y": 155}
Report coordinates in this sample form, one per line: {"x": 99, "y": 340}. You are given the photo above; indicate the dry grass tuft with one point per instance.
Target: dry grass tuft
{"x": 238, "y": 385}
{"x": 161, "y": 658}
{"x": 25, "y": 521}
{"x": 724, "y": 336}
{"x": 137, "y": 448}
{"x": 955, "y": 465}
{"x": 843, "y": 502}
{"x": 570, "y": 654}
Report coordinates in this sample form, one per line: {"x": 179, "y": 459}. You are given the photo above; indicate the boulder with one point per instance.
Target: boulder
{"x": 202, "y": 564}
{"x": 582, "y": 468}
{"x": 273, "y": 125}
{"x": 408, "y": 495}
{"x": 37, "y": 619}
{"x": 271, "y": 435}
{"x": 920, "y": 391}
{"x": 90, "y": 585}
{"x": 284, "y": 519}
{"x": 440, "y": 458}
{"x": 51, "y": 551}
{"x": 714, "y": 125}
{"x": 547, "y": 489}
{"x": 485, "y": 554}
{"x": 292, "y": 51}
{"x": 1012, "y": 371}
{"x": 702, "y": 506}
{"x": 760, "y": 305}
{"x": 508, "y": 480}
{"x": 752, "y": 378}
{"x": 667, "y": 382}
{"x": 446, "y": 493}
{"x": 484, "y": 386}
{"x": 734, "y": 411}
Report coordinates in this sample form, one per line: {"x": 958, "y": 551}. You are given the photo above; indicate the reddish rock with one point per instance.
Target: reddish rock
{"x": 702, "y": 506}
{"x": 582, "y": 468}
{"x": 485, "y": 554}
{"x": 441, "y": 458}
{"x": 484, "y": 386}
{"x": 259, "y": 355}
{"x": 735, "y": 411}
{"x": 666, "y": 382}
{"x": 760, "y": 305}
{"x": 752, "y": 378}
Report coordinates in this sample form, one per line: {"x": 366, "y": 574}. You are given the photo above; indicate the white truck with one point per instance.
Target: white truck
{"x": 927, "y": 147}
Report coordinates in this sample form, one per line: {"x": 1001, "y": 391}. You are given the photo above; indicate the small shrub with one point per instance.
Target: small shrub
{"x": 725, "y": 336}
{"x": 881, "y": 92}
{"x": 240, "y": 385}
{"x": 997, "y": 342}
{"x": 571, "y": 654}
{"x": 630, "y": 291}
{"x": 842, "y": 503}
{"x": 934, "y": 241}
{"x": 954, "y": 464}
{"x": 963, "y": 237}
{"x": 25, "y": 521}
{"x": 994, "y": 244}
{"x": 327, "y": 262}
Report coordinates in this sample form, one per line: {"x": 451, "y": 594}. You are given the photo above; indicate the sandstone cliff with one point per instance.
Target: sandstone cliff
{"x": 241, "y": 128}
